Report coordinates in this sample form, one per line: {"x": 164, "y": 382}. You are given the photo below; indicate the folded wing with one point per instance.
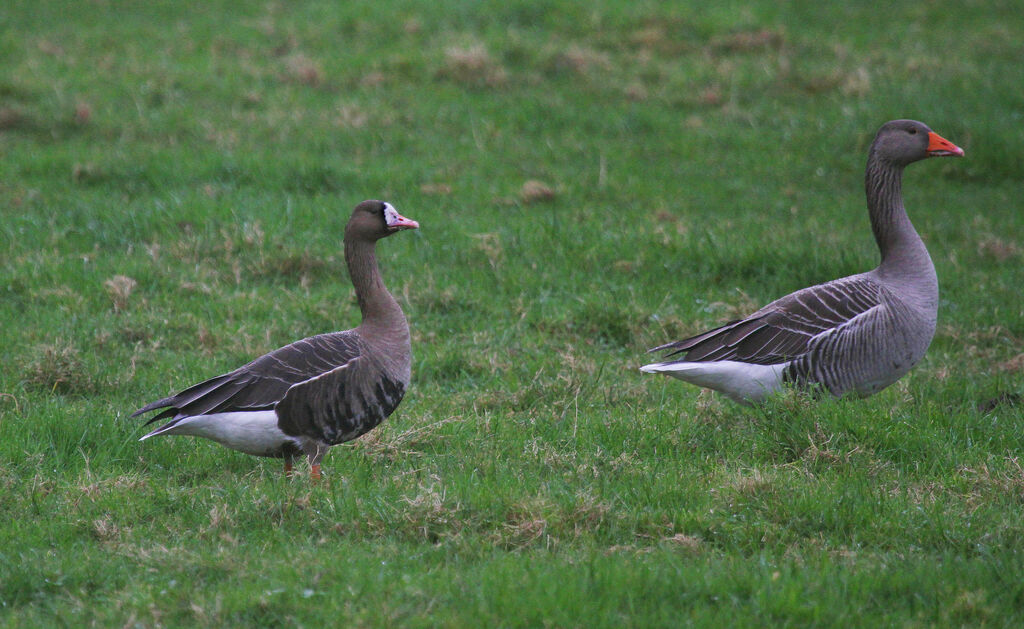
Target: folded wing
{"x": 263, "y": 383}
{"x": 784, "y": 329}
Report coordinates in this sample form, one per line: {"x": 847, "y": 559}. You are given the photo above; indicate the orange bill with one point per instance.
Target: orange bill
{"x": 939, "y": 146}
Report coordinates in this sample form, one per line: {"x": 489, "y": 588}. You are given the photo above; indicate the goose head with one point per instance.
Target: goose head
{"x": 903, "y": 142}
{"x": 373, "y": 220}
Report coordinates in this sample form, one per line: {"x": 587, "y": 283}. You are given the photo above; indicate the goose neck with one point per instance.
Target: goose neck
{"x": 376, "y": 304}
{"x": 895, "y": 235}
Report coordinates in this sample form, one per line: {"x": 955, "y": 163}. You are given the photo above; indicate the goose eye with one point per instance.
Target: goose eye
{"x": 912, "y": 131}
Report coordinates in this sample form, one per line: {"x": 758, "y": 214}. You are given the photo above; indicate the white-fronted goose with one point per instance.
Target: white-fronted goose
{"x": 858, "y": 334}
{"x": 317, "y": 392}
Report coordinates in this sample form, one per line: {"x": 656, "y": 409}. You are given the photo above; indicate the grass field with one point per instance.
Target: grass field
{"x": 592, "y": 179}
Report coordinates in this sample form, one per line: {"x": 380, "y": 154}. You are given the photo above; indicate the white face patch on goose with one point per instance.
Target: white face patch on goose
{"x": 396, "y": 221}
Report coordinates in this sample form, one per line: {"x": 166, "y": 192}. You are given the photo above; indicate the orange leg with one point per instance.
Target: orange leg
{"x": 314, "y": 472}
{"x": 288, "y": 469}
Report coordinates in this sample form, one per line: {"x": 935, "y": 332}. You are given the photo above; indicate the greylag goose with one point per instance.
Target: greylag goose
{"x": 858, "y": 334}
{"x": 317, "y": 392}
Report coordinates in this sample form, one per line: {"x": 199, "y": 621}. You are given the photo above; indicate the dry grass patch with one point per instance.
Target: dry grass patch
{"x": 95, "y": 488}
{"x": 649, "y": 37}
{"x": 581, "y": 59}
{"x": 105, "y": 529}
{"x": 472, "y": 65}
{"x": 535, "y": 191}
{"x": 856, "y": 83}
{"x": 429, "y": 512}
{"x": 13, "y": 118}
{"x": 742, "y": 306}
{"x": 1014, "y": 365}
{"x": 998, "y": 248}
{"x": 10, "y": 399}
{"x": 298, "y": 68}
{"x": 119, "y": 289}
{"x": 436, "y": 189}
{"x": 84, "y": 173}
{"x": 748, "y": 41}
{"x": 351, "y": 116}
{"x": 746, "y": 483}
{"x": 58, "y": 368}
{"x": 684, "y": 541}
{"x": 589, "y": 514}
{"x": 83, "y": 114}
{"x": 383, "y": 444}
{"x": 525, "y": 525}
{"x": 490, "y": 245}
{"x": 985, "y": 482}
{"x": 821, "y": 448}
{"x": 301, "y": 266}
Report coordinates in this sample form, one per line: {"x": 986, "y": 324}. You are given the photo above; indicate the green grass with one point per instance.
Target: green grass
{"x": 174, "y": 184}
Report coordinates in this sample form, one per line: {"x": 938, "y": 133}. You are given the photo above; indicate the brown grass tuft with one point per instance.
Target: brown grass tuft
{"x": 83, "y": 113}
{"x": 525, "y": 524}
{"x": 856, "y": 83}
{"x": 589, "y": 514}
{"x": 383, "y": 444}
{"x": 534, "y": 191}
{"x": 820, "y": 448}
{"x": 9, "y": 398}
{"x": 105, "y": 530}
{"x": 748, "y": 41}
{"x": 304, "y": 266}
{"x": 581, "y": 60}
{"x": 636, "y": 91}
{"x": 1001, "y": 250}
{"x": 58, "y": 368}
{"x": 436, "y": 189}
{"x": 84, "y": 173}
{"x": 351, "y": 117}
{"x": 490, "y": 245}
{"x": 48, "y": 47}
{"x": 430, "y": 513}
{"x": 120, "y": 288}
{"x": 710, "y": 96}
{"x": 730, "y": 311}
{"x": 1014, "y": 365}
{"x": 11, "y": 118}
{"x": 473, "y": 65}
{"x": 373, "y": 79}
{"x": 220, "y": 517}
{"x": 689, "y": 542}
{"x": 650, "y": 37}
{"x": 749, "y": 484}
{"x": 299, "y": 68}
{"x": 95, "y": 488}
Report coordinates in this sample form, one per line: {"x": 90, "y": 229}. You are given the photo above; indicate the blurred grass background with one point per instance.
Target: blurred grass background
{"x": 592, "y": 179}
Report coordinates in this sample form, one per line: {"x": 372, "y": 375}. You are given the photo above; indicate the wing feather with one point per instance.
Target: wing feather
{"x": 261, "y": 384}
{"x": 785, "y": 328}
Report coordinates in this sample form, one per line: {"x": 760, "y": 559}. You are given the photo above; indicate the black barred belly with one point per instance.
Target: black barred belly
{"x": 340, "y": 412}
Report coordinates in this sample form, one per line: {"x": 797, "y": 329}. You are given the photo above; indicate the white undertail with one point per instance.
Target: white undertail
{"x": 743, "y": 382}
{"x": 252, "y": 432}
